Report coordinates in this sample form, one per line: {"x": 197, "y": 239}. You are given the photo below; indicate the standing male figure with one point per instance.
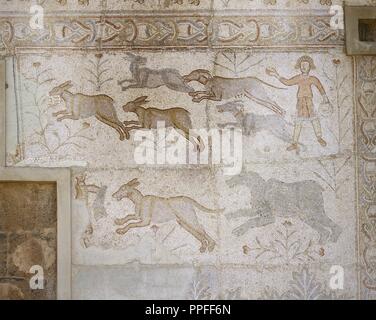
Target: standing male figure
{"x": 305, "y": 108}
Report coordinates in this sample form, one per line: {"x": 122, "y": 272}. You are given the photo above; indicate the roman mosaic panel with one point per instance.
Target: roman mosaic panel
{"x": 294, "y": 114}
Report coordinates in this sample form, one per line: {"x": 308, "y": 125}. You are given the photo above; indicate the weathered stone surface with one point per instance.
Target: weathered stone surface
{"x": 27, "y": 206}
{"x": 301, "y": 203}
{"x": 27, "y": 238}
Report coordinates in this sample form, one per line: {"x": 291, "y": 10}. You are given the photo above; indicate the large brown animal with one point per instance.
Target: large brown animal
{"x": 148, "y": 118}
{"x": 153, "y": 209}
{"x": 220, "y": 88}
{"x": 82, "y": 106}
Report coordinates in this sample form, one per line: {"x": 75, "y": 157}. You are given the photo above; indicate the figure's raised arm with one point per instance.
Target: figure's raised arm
{"x": 287, "y": 82}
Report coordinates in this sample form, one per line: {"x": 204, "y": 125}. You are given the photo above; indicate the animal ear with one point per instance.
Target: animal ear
{"x": 66, "y": 84}
{"x": 206, "y": 74}
{"x": 133, "y": 183}
{"x": 141, "y": 99}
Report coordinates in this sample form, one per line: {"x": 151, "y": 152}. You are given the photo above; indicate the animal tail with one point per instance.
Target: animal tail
{"x": 204, "y": 209}
{"x": 270, "y": 85}
{"x": 270, "y": 105}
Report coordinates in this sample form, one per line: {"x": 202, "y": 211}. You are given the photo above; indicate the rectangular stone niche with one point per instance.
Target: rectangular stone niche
{"x": 360, "y": 30}
{"x": 28, "y": 237}
{"x": 367, "y": 30}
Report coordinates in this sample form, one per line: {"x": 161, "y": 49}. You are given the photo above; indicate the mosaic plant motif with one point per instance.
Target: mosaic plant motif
{"x": 98, "y": 71}
{"x": 304, "y": 286}
{"x": 46, "y": 134}
{"x": 286, "y": 246}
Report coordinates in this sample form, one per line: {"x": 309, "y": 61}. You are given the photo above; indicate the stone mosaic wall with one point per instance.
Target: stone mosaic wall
{"x": 274, "y": 230}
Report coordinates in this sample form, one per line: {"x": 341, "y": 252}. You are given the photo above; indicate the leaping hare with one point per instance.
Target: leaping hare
{"x": 81, "y": 106}
{"x": 148, "y": 118}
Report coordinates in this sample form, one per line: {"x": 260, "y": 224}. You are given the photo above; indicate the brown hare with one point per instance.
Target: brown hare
{"x": 148, "y": 118}
{"x": 81, "y": 106}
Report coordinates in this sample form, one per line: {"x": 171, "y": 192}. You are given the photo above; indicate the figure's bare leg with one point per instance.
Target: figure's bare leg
{"x": 117, "y": 126}
{"x": 126, "y": 219}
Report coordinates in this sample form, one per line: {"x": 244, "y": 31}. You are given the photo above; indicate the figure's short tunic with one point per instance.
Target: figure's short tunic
{"x": 305, "y": 109}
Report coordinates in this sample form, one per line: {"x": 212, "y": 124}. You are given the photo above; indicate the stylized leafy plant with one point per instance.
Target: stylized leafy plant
{"x": 36, "y": 83}
{"x": 235, "y": 62}
{"x": 97, "y": 71}
{"x": 286, "y": 246}
{"x": 304, "y": 286}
